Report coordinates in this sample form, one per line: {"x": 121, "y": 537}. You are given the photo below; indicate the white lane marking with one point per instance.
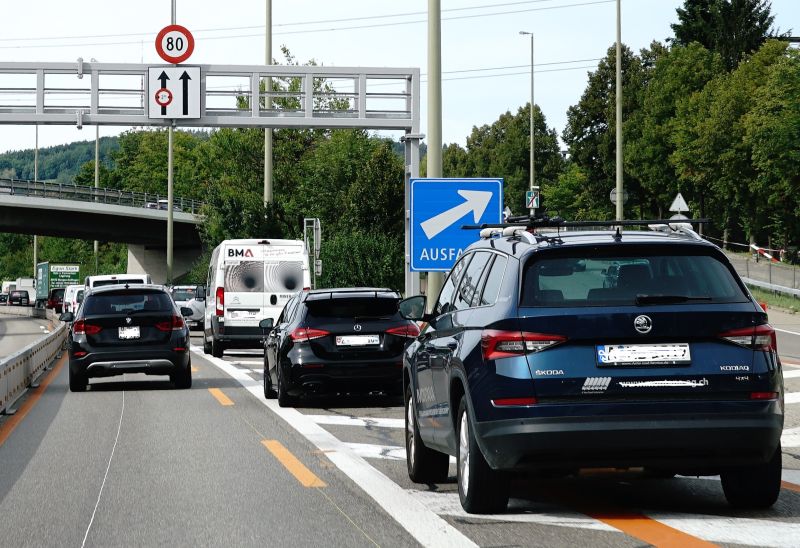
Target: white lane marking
{"x": 448, "y": 504}
{"x": 792, "y": 476}
{"x": 371, "y": 451}
{"x": 425, "y": 526}
{"x": 790, "y": 438}
{"x": 791, "y": 397}
{"x": 733, "y": 529}
{"x": 793, "y": 374}
{"x": 105, "y": 476}
{"x": 785, "y": 331}
{"x": 340, "y": 420}
{"x": 247, "y": 362}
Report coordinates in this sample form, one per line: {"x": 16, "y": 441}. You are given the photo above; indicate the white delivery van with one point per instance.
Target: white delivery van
{"x": 249, "y": 280}
{"x": 116, "y": 279}
{"x": 73, "y": 297}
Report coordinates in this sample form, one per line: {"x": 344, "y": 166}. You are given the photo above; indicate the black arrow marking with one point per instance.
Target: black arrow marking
{"x": 185, "y": 78}
{"x": 163, "y": 77}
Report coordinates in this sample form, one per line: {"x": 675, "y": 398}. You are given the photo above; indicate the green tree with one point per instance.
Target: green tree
{"x": 369, "y": 259}
{"x": 732, "y": 28}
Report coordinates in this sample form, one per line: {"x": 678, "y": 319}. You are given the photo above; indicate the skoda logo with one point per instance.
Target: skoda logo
{"x": 357, "y": 327}
{"x": 128, "y": 321}
{"x": 643, "y": 324}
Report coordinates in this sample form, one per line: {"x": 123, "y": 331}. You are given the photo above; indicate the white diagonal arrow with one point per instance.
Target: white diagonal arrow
{"x": 476, "y": 201}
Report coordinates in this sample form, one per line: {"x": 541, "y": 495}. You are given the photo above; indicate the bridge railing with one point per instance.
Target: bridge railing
{"x": 67, "y": 191}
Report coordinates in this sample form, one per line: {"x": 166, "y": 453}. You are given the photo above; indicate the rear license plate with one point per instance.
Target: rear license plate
{"x": 243, "y": 314}
{"x": 611, "y": 355}
{"x": 357, "y": 340}
{"x": 129, "y": 332}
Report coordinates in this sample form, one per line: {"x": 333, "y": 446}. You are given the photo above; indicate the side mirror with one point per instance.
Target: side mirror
{"x": 186, "y": 311}
{"x": 66, "y": 317}
{"x": 413, "y": 308}
{"x": 200, "y": 293}
{"x": 266, "y": 324}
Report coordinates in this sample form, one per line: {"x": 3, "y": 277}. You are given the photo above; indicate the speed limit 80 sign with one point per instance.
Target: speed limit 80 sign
{"x": 174, "y": 44}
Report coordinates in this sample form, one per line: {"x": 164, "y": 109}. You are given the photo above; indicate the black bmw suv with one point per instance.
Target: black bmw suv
{"x": 533, "y": 361}
{"x": 128, "y": 329}
{"x": 340, "y": 340}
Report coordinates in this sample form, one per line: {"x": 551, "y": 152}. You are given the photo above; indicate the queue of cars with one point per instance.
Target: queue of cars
{"x": 546, "y": 351}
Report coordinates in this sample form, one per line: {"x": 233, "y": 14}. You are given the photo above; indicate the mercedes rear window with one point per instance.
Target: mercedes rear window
{"x": 370, "y": 307}
{"x": 595, "y": 278}
{"x": 127, "y": 303}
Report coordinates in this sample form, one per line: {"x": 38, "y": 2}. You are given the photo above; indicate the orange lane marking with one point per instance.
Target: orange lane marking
{"x": 790, "y": 486}
{"x": 33, "y": 398}
{"x": 221, "y": 398}
{"x": 649, "y": 530}
{"x": 305, "y": 476}
{"x": 195, "y": 369}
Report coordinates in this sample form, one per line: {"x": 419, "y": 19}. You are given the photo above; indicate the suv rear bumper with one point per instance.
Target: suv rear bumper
{"x": 108, "y": 364}
{"x": 702, "y": 443}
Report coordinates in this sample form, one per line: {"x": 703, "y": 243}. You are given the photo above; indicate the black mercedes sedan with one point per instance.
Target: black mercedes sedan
{"x": 128, "y": 329}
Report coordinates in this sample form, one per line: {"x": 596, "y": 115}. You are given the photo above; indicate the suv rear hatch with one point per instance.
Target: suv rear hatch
{"x": 356, "y": 325}
{"x": 128, "y": 318}
{"x": 674, "y": 323}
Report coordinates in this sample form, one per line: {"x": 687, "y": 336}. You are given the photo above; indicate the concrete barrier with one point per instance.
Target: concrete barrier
{"x": 21, "y": 369}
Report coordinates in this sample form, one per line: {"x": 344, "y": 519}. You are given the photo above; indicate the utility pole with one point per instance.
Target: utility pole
{"x": 620, "y": 214}
{"x": 532, "y": 176}
{"x": 267, "y": 106}
{"x": 170, "y": 183}
{"x": 435, "y": 279}
{"x": 35, "y": 180}
{"x": 96, "y": 181}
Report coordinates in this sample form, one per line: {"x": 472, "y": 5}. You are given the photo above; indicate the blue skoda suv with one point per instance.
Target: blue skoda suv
{"x": 549, "y": 350}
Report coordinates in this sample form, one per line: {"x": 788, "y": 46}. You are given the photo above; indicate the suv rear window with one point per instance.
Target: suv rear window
{"x": 183, "y": 294}
{"x": 593, "y": 278}
{"x": 127, "y": 303}
{"x": 353, "y": 308}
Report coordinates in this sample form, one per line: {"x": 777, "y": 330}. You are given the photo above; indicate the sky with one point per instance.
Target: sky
{"x": 485, "y": 61}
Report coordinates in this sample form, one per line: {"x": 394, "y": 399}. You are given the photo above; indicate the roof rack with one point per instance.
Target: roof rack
{"x": 526, "y": 223}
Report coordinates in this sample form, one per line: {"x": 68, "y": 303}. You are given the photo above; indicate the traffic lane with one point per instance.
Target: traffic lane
{"x": 185, "y": 469}
{"x": 17, "y": 332}
{"x": 787, "y": 328}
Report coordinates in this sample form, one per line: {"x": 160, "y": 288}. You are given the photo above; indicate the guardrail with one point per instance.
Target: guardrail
{"x": 81, "y": 193}
{"x": 21, "y": 369}
{"x": 779, "y": 277}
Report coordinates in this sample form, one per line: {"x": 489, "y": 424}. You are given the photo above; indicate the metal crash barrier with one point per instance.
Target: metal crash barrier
{"x": 19, "y": 370}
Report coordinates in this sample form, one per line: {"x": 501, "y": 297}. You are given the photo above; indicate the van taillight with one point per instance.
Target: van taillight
{"x": 82, "y": 328}
{"x": 220, "y": 301}
{"x": 761, "y": 337}
{"x": 497, "y": 344}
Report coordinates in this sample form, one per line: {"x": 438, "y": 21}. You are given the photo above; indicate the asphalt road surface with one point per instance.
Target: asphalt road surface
{"x": 135, "y": 462}
{"x": 17, "y": 332}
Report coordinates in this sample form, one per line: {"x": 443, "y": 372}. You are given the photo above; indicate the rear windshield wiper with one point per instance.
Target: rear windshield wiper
{"x": 667, "y": 299}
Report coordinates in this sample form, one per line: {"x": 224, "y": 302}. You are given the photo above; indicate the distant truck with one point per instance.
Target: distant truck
{"x": 51, "y": 279}
{"x": 25, "y": 284}
{"x": 8, "y": 286}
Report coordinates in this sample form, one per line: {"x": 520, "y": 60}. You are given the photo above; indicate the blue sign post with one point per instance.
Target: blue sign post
{"x": 439, "y": 207}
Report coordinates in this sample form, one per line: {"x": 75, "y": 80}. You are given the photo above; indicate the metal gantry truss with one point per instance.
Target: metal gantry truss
{"x": 116, "y": 94}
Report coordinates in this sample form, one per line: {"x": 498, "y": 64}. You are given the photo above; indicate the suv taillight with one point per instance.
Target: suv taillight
{"x": 410, "y": 330}
{"x": 505, "y": 344}
{"x": 220, "y": 301}
{"x": 307, "y": 333}
{"x": 82, "y": 328}
{"x": 175, "y": 324}
{"x": 761, "y": 337}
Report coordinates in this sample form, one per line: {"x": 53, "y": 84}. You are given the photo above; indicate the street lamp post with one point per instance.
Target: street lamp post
{"x": 533, "y": 128}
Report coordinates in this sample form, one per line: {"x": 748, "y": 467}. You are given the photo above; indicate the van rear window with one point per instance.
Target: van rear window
{"x": 595, "y": 279}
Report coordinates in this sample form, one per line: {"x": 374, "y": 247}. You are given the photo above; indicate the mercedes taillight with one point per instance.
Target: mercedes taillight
{"x": 308, "y": 333}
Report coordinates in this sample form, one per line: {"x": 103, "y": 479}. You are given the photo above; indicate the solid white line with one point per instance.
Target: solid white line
{"x": 372, "y": 451}
{"x": 793, "y": 374}
{"x": 105, "y": 476}
{"x": 790, "y": 438}
{"x": 425, "y": 526}
{"x": 247, "y": 362}
{"x": 368, "y": 422}
{"x": 785, "y": 331}
{"x": 733, "y": 529}
{"x": 791, "y": 397}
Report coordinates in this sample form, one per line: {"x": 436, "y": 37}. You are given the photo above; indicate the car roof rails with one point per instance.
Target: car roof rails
{"x": 527, "y": 223}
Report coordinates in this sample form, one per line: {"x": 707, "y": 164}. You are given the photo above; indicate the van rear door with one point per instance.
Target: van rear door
{"x": 243, "y": 284}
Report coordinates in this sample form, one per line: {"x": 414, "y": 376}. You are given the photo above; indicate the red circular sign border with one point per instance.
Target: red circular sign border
{"x": 189, "y": 39}
{"x": 169, "y": 102}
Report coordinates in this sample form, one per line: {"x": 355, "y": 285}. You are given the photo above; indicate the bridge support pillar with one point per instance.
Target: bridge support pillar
{"x": 153, "y": 260}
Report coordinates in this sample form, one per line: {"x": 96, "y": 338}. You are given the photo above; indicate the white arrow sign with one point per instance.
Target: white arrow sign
{"x": 476, "y": 201}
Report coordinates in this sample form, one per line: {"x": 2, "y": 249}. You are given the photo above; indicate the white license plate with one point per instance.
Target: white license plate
{"x": 129, "y": 332}
{"x": 357, "y": 340}
{"x": 242, "y": 314}
{"x": 643, "y": 354}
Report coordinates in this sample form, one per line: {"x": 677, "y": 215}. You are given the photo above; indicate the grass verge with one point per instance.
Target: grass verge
{"x": 788, "y": 303}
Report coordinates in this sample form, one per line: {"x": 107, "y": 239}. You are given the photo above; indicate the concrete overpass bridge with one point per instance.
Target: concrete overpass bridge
{"x": 108, "y": 215}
